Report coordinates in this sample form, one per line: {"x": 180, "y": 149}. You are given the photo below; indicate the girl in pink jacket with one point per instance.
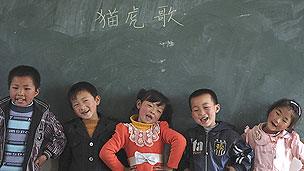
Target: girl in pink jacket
{"x": 275, "y": 142}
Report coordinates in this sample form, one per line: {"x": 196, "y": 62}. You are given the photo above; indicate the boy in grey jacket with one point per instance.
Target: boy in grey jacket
{"x": 29, "y": 132}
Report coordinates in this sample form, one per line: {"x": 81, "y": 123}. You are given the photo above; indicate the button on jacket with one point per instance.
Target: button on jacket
{"x": 81, "y": 152}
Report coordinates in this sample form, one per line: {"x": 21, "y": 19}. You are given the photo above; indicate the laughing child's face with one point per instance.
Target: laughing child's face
{"x": 149, "y": 112}
{"x": 22, "y": 90}
{"x": 204, "y": 110}
{"x": 85, "y": 105}
{"x": 278, "y": 120}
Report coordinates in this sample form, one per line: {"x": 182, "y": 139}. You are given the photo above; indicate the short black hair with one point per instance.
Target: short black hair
{"x": 81, "y": 86}
{"x": 201, "y": 92}
{"x": 153, "y": 95}
{"x": 292, "y": 105}
{"x": 22, "y": 71}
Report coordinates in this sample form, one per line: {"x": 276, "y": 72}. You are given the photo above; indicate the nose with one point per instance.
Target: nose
{"x": 20, "y": 92}
{"x": 81, "y": 107}
{"x": 277, "y": 120}
{"x": 200, "y": 112}
{"x": 153, "y": 110}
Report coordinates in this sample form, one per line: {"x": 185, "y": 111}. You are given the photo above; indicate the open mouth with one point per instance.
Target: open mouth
{"x": 273, "y": 124}
{"x": 149, "y": 117}
{"x": 205, "y": 118}
{"x": 85, "y": 112}
{"x": 20, "y": 100}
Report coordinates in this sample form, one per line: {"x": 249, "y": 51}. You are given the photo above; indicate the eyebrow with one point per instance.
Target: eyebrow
{"x": 25, "y": 85}
{"x": 204, "y": 104}
{"x": 286, "y": 118}
{"x": 281, "y": 112}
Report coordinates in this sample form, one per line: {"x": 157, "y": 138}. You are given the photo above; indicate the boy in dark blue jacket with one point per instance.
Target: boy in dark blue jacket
{"x": 213, "y": 145}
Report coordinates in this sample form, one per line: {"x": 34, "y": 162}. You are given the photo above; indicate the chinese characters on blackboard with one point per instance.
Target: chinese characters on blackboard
{"x": 111, "y": 18}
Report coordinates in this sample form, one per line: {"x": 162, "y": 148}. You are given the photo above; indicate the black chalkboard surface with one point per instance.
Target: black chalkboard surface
{"x": 249, "y": 51}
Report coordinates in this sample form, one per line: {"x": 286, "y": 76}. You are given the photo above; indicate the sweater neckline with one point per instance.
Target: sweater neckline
{"x": 139, "y": 125}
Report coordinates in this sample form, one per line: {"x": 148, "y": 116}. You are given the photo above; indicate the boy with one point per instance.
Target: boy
{"x": 29, "y": 132}
{"x": 213, "y": 145}
{"x": 87, "y": 133}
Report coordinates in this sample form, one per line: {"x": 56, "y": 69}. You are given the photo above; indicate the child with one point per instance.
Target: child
{"x": 213, "y": 145}
{"x": 86, "y": 133}
{"x": 144, "y": 138}
{"x": 30, "y": 133}
{"x": 275, "y": 143}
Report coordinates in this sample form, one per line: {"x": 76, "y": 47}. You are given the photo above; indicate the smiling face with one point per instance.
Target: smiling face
{"x": 149, "y": 112}
{"x": 278, "y": 120}
{"x": 204, "y": 110}
{"x": 85, "y": 105}
{"x": 22, "y": 90}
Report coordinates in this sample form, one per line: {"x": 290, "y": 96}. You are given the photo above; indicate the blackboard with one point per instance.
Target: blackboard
{"x": 251, "y": 52}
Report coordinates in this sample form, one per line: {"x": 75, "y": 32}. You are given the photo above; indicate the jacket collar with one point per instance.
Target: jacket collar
{"x": 219, "y": 127}
{"x": 102, "y": 125}
{"x": 263, "y": 138}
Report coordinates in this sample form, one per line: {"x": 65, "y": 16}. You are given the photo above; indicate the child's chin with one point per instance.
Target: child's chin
{"x": 21, "y": 104}
{"x": 201, "y": 123}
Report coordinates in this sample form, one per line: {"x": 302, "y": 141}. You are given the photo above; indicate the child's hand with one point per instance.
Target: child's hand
{"x": 230, "y": 168}
{"x": 130, "y": 169}
{"x": 162, "y": 168}
{"x": 40, "y": 160}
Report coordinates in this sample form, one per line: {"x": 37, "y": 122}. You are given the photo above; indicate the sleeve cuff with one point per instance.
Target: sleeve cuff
{"x": 47, "y": 153}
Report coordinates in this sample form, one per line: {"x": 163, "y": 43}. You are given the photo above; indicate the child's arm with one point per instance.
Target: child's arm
{"x": 65, "y": 159}
{"x": 177, "y": 142}
{"x": 297, "y": 148}
{"x": 241, "y": 155}
{"x": 110, "y": 148}
{"x": 185, "y": 161}
{"x": 54, "y": 137}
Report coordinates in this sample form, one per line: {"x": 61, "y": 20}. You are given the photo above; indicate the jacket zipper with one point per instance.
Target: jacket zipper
{"x": 206, "y": 152}
{"x": 4, "y": 139}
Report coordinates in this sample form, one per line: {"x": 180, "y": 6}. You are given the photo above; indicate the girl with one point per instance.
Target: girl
{"x": 144, "y": 137}
{"x": 275, "y": 142}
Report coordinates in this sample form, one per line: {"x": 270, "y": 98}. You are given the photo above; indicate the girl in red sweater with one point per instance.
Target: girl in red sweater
{"x": 143, "y": 139}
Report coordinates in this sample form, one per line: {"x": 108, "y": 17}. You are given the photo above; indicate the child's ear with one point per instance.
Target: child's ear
{"x": 217, "y": 108}
{"x": 37, "y": 92}
{"x": 98, "y": 99}
{"x": 138, "y": 104}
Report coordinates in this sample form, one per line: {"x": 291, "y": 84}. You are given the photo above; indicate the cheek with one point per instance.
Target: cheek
{"x": 143, "y": 110}
{"x": 76, "y": 110}
{"x": 158, "y": 116}
{"x": 12, "y": 92}
{"x": 270, "y": 116}
{"x": 194, "y": 115}
{"x": 30, "y": 95}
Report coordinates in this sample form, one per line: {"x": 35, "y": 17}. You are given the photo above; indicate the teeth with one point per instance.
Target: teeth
{"x": 205, "y": 117}
{"x": 85, "y": 112}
